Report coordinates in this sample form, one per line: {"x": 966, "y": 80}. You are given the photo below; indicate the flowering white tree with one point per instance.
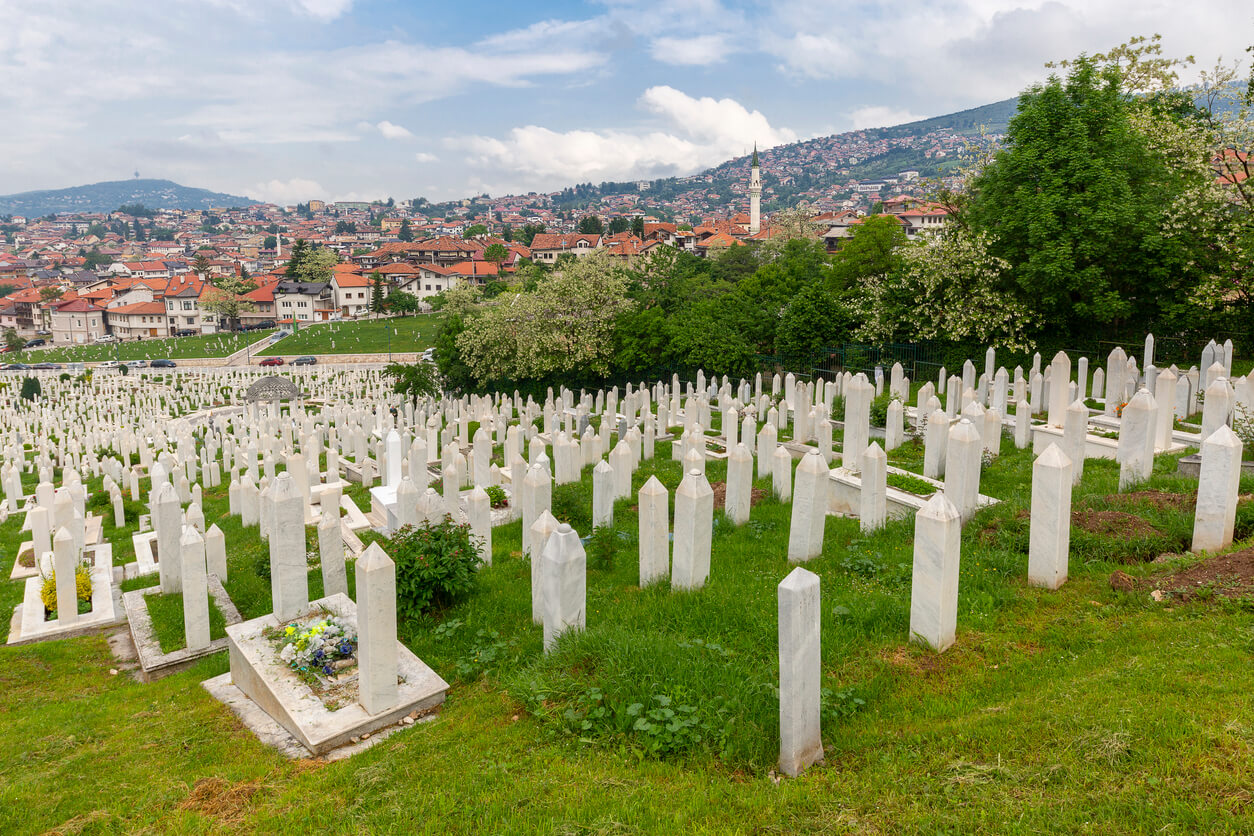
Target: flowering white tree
{"x": 949, "y": 287}
{"x": 565, "y": 325}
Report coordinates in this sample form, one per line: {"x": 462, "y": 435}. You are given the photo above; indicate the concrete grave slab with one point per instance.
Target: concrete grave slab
{"x": 268, "y": 682}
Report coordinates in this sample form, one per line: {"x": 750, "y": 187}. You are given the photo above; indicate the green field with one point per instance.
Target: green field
{"x": 1082, "y": 710}
{"x": 408, "y": 334}
{"x": 209, "y": 345}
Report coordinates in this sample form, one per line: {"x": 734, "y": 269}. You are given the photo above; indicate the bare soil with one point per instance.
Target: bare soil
{"x": 1113, "y": 524}
{"x": 1226, "y": 575}
{"x": 1222, "y": 576}
{"x": 756, "y": 495}
{"x": 1162, "y": 500}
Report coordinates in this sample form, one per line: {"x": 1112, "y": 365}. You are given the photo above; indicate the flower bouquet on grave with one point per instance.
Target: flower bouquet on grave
{"x": 319, "y": 648}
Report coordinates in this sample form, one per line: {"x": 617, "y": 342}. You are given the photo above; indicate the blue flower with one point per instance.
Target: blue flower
{"x": 318, "y": 654}
{"x": 326, "y": 669}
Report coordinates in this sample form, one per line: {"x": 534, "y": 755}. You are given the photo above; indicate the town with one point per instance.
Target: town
{"x": 140, "y": 273}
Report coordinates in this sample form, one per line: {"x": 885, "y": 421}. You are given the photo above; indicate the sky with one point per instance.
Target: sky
{"x": 287, "y": 100}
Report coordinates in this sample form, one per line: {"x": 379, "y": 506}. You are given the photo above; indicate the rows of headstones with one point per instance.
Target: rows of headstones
{"x": 359, "y": 424}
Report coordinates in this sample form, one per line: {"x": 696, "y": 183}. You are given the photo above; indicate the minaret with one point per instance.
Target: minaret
{"x": 755, "y": 194}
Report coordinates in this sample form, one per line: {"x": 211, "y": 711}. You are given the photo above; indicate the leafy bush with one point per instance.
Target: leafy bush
{"x": 63, "y": 377}
{"x": 879, "y": 410}
{"x": 435, "y": 566}
{"x": 124, "y": 369}
{"x": 82, "y": 584}
{"x": 31, "y": 388}
{"x": 497, "y": 495}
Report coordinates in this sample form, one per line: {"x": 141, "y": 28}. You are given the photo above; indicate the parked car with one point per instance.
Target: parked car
{"x": 185, "y": 332}
{"x": 16, "y": 367}
{"x": 109, "y": 364}
{"x": 429, "y": 355}
{"x": 36, "y": 343}
{"x": 305, "y": 361}
{"x": 105, "y": 338}
{"x": 162, "y": 364}
{"x": 272, "y": 361}
{"x": 4, "y": 349}
{"x": 46, "y": 367}
{"x": 138, "y": 364}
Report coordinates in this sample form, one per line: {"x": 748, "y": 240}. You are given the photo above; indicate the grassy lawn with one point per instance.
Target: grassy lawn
{"x": 208, "y": 345}
{"x": 1083, "y": 710}
{"x": 410, "y": 333}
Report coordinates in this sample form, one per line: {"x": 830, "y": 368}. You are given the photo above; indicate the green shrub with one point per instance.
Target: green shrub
{"x": 64, "y": 376}
{"x": 435, "y": 566}
{"x": 31, "y": 388}
{"x": 497, "y": 495}
{"x": 124, "y": 369}
{"x": 879, "y": 410}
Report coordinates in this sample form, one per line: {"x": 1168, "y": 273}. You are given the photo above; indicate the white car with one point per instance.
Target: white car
{"x": 105, "y": 338}
{"x": 109, "y": 364}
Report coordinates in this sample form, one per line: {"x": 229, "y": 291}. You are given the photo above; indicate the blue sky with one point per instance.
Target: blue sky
{"x": 291, "y": 99}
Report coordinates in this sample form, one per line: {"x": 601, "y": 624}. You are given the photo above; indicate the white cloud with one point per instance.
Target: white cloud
{"x": 964, "y": 52}
{"x": 879, "y": 116}
{"x": 424, "y": 157}
{"x": 324, "y": 10}
{"x": 700, "y": 50}
{"x": 287, "y": 192}
{"x": 391, "y": 131}
{"x": 704, "y": 132}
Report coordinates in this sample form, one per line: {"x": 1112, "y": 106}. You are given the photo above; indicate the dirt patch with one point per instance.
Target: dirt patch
{"x": 914, "y": 661}
{"x": 1113, "y": 524}
{"x": 1161, "y": 500}
{"x": 1223, "y": 576}
{"x": 756, "y": 495}
{"x": 221, "y": 800}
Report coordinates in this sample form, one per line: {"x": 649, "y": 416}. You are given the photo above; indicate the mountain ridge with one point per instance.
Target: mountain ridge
{"x": 108, "y": 195}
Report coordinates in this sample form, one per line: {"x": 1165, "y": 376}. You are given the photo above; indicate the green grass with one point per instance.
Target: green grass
{"x": 1082, "y": 710}
{"x": 409, "y": 334}
{"x": 208, "y": 345}
{"x": 166, "y": 612}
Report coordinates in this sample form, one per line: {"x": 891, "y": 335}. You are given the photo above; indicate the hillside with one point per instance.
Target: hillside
{"x": 105, "y": 197}
{"x": 932, "y": 147}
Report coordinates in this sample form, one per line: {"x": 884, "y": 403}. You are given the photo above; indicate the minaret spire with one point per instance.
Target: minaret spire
{"x": 755, "y": 194}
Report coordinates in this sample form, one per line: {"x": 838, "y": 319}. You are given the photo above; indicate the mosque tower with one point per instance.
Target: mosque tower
{"x": 755, "y": 194}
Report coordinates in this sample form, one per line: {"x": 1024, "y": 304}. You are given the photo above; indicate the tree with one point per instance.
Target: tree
{"x": 497, "y": 254}
{"x": 618, "y": 225}
{"x": 376, "y": 293}
{"x": 590, "y": 225}
{"x": 6, "y": 288}
{"x": 51, "y": 293}
{"x": 296, "y": 256}
{"x": 270, "y": 243}
{"x": 12, "y": 340}
{"x": 402, "y": 302}
{"x": 637, "y": 227}
{"x": 139, "y": 230}
{"x": 1076, "y": 205}
{"x": 413, "y": 380}
{"x": 95, "y": 259}
{"x": 527, "y": 233}
{"x": 946, "y": 286}
{"x": 316, "y": 266}
{"x": 458, "y": 300}
{"x": 225, "y": 298}
{"x": 31, "y": 388}
{"x": 406, "y": 232}
{"x": 474, "y": 230}
{"x": 345, "y": 228}
{"x": 871, "y": 250}
{"x": 566, "y": 326}
{"x": 200, "y": 265}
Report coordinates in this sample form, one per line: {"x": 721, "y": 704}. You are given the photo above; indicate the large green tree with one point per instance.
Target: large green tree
{"x": 1075, "y": 205}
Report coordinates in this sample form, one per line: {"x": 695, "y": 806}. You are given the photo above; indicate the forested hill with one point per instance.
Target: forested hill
{"x": 105, "y": 197}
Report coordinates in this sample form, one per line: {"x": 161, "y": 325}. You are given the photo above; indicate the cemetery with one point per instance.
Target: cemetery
{"x": 1020, "y": 601}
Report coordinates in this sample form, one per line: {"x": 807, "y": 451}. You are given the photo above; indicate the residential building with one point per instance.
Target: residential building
{"x": 77, "y": 322}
